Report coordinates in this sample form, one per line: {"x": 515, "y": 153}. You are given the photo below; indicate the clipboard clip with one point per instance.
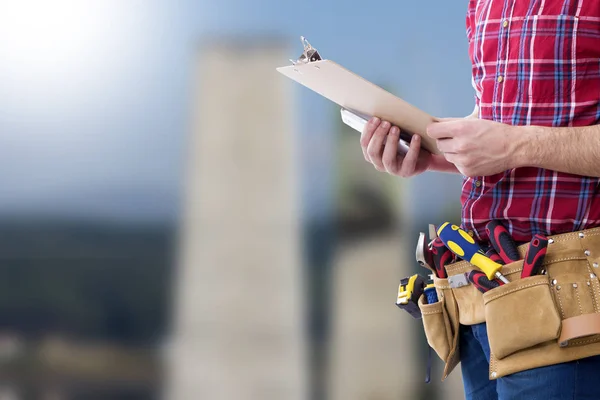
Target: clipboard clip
{"x": 310, "y": 54}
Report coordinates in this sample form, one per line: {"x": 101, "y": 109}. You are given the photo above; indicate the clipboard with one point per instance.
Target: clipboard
{"x": 356, "y": 94}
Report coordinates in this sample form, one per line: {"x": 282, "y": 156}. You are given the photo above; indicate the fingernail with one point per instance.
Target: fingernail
{"x": 417, "y": 138}
{"x": 375, "y": 121}
{"x": 385, "y": 124}
{"x": 395, "y": 130}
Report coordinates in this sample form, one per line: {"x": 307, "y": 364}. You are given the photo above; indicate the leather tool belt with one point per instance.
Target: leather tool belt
{"x": 531, "y": 322}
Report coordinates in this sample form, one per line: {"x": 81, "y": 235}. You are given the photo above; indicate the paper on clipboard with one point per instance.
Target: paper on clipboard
{"x": 355, "y": 93}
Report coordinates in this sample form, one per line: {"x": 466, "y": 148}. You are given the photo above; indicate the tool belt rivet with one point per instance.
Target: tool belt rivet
{"x": 595, "y": 265}
{"x": 587, "y": 253}
{"x": 581, "y": 235}
{"x": 575, "y": 285}
{"x": 588, "y": 283}
{"x": 493, "y": 374}
{"x": 558, "y": 287}
{"x": 554, "y": 281}
{"x": 550, "y": 241}
{"x": 592, "y": 276}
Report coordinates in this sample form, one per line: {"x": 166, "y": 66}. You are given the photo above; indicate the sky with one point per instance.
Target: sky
{"x": 94, "y": 95}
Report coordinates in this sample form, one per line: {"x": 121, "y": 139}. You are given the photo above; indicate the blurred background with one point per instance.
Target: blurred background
{"x": 180, "y": 221}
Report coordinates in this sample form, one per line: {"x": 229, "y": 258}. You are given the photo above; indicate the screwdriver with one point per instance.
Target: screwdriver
{"x": 481, "y": 282}
{"x": 464, "y": 246}
{"x": 535, "y": 255}
{"x": 441, "y": 257}
{"x": 502, "y": 242}
{"x": 491, "y": 253}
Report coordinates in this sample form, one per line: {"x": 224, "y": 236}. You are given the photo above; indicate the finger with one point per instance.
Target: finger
{"x": 390, "y": 151}
{"x": 375, "y": 148}
{"x": 459, "y": 162}
{"x": 367, "y": 133}
{"x": 451, "y": 158}
{"x": 412, "y": 156}
{"x": 446, "y": 145}
{"x": 440, "y": 130}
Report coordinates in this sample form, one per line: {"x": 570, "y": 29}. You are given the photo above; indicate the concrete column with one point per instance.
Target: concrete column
{"x": 239, "y": 331}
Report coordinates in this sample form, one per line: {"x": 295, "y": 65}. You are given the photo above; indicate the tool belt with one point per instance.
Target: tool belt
{"x": 531, "y": 322}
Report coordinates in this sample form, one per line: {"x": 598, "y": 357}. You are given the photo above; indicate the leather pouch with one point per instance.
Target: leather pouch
{"x": 440, "y": 321}
{"x": 575, "y": 288}
{"x": 520, "y": 315}
{"x": 437, "y": 327}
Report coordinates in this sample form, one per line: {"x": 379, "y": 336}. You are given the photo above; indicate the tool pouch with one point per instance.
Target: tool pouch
{"x": 576, "y": 288}
{"x": 437, "y": 327}
{"x": 520, "y": 315}
{"x": 440, "y": 322}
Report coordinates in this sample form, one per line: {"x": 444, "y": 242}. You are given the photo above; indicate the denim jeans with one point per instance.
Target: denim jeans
{"x": 577, "y": 380}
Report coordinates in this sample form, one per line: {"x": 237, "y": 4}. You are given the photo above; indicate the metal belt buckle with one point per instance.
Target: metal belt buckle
{"x": 459, "y": 280}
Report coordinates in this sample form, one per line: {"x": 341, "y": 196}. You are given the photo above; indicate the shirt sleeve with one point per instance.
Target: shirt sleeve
{"x": 470, "y": 20}
{"x": 471, "y": 29}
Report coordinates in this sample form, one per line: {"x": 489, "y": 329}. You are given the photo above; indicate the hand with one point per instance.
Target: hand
{"x": 477, "y": 147}
{"x": 379, "y": 142}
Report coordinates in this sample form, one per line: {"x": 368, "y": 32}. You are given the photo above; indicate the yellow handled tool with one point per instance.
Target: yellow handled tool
{"x": 464, "y": 246}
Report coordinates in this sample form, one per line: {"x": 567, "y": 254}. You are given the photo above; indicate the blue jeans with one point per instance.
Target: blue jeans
{"x": 578, "y": 380}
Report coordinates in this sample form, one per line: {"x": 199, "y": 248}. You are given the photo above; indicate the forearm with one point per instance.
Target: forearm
{"x": 571, "y": 150}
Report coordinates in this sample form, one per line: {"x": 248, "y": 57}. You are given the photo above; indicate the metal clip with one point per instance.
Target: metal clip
{"x": 423, "y": 254}
{"x": 432, "y": 234}
{"x": 310, "y": 54}
{"x": 456, "y": 281}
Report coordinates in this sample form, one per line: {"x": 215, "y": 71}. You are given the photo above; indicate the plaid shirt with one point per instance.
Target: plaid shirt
{"x": 535, "y": 62}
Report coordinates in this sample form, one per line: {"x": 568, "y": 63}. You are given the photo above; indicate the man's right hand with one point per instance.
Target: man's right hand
{"x": 379, "y": 142}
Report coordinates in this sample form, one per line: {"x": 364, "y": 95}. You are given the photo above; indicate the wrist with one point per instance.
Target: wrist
{"x": 525, "y": 146}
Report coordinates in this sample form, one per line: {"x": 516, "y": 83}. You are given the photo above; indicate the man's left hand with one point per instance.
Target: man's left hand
{"x": 477, "y": 147}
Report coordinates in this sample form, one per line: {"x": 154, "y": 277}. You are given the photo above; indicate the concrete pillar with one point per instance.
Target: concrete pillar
{"x": 239, "y": 331}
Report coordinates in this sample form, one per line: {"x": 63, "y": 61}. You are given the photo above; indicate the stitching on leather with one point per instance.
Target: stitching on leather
{"x": 512, "y": 271}
{"x": 577, "y": 343}
{"x": 578, "y": 301}
{"x": 560, "y": 306}
{"x": 592, "y": 295}
{"x": 491, "y": 298}
{"x": 567, "y": 236}
{"x": 564, "y": 259}
{"x": 594, "y": 289}
{"x": 574, "y": 235}
{"x": 431, "y": 312}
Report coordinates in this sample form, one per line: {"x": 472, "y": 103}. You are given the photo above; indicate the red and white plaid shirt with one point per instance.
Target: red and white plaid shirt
{"x": 535, "y": 62}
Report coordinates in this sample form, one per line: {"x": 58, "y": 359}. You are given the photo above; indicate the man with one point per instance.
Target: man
{"x": 529, "y": 154}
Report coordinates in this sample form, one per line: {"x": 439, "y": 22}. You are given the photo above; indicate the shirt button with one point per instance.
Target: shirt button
{"x": 505, "y": 23}
{"x": 500, "y": 79}
{"x": 478, "y": 183}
